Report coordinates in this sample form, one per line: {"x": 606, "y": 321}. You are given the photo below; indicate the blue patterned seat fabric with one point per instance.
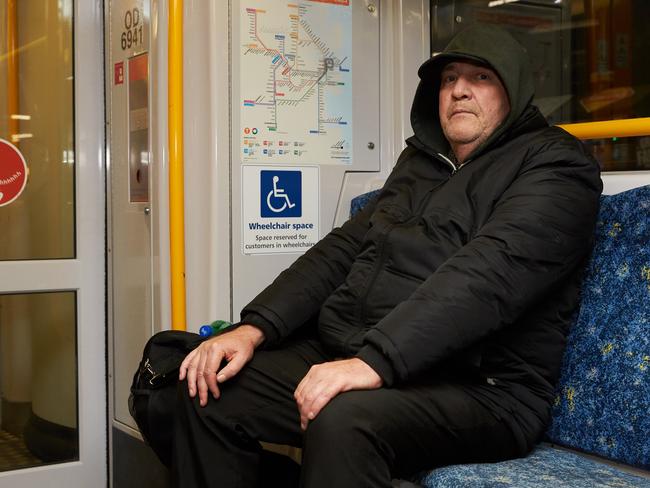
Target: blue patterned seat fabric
{"x": 603, "y": 396}
{"x": 603, "y": 400}
{"x": 359, "y": 202}
{"x": 546, "y": 466}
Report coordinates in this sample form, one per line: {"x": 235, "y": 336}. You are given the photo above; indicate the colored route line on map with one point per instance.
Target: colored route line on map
{"x": 310, "y": 78}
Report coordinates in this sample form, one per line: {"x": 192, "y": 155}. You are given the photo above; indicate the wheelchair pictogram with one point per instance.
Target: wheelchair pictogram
{"x": 278, "y": 194}
{"x": 281, "y": 194}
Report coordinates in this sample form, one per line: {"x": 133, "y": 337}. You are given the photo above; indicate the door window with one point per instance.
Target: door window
{"x": 38, "y": 379}
{"x": 36, "y": 116}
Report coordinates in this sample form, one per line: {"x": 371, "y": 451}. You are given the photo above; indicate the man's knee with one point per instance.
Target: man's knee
{"x": 346, "y": 419}
{"x": 183, "y": 398}
{"x": 190, "y": 409}
{"x": 345, "y": 446}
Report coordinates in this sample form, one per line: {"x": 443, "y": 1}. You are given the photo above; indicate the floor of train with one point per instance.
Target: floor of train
{"x": 14, "y": 454}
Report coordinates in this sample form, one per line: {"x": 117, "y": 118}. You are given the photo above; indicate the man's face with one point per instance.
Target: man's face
{"x": 472, "y": 104}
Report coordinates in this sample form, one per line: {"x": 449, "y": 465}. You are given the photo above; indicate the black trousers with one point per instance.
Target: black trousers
{"x": 360, "y": 439}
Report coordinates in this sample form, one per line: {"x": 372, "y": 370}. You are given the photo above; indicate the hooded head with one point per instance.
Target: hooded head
{"x": 483, "y": 45}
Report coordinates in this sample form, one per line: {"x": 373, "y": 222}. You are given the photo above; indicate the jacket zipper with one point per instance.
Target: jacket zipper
{"x": 381, "y": 246}
{"x": 454, "y": 168}
{"x": 425, "y": 201}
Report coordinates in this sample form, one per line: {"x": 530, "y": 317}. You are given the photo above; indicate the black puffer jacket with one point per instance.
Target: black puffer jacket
{"x": 475, "y": 268}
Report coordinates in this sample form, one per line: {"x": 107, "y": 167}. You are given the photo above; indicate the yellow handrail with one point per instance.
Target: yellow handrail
{"x": 176, "y": 177}
{"x": 12, "y": 70}
{"x": 610, "y": 128}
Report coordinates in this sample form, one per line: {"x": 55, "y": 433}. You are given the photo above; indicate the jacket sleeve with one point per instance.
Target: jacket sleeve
{"x": 537, "y": 235}
{"x": 297, "y": 294}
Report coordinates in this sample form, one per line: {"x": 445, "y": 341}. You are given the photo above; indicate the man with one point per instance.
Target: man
{"x": 427, "y": 330}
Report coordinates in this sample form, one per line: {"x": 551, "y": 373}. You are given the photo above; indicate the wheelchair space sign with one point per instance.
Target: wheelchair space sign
{"x": 280, "y": 209}
{"x": 281, "y": 194}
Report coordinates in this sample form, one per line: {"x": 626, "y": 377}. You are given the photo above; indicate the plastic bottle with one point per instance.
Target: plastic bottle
{"x": 214, "y": 328}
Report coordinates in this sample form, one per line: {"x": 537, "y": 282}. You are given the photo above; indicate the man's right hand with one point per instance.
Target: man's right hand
{"x": 201, "y": 366}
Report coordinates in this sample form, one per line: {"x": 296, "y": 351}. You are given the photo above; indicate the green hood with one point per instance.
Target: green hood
{"x": 483, "y": 43}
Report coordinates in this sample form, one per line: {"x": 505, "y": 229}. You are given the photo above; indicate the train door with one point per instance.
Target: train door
{"x": 130, "y": 202}
{"x": 52, "y": 288}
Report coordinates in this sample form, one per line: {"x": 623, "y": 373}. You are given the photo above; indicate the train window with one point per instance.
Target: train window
{"x": 588, "y": 60}
{"x": 38, "y": 379}
{"x": 36, "y": 116}
{"x": 621, "y": 153}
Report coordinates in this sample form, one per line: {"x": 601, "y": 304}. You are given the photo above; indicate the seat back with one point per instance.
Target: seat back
{"x": 603, "y": 396}
{"x": 360, "y": 201}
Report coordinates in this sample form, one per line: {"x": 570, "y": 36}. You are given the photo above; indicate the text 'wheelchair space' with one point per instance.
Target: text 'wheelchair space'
{"x": 280, "y": 209}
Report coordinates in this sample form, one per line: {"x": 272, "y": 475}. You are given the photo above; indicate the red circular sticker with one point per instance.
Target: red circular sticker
{"x": 13, "y": 173}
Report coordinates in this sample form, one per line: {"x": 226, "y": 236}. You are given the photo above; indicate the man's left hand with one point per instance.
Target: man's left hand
{"x": 324, "y": 381}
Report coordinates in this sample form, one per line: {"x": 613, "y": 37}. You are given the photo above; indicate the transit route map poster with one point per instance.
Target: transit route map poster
{"x": 296, "y": 81}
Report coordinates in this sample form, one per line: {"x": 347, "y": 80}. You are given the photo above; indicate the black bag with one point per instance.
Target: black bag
{"x": 153, "y": 391}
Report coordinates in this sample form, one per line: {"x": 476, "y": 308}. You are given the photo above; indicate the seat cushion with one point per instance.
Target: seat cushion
{"x": 545, "y": 467}
{"x": 603, "y": 397}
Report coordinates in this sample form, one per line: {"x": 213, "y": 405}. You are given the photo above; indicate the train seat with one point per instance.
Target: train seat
{"x": 599, "y": 434}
